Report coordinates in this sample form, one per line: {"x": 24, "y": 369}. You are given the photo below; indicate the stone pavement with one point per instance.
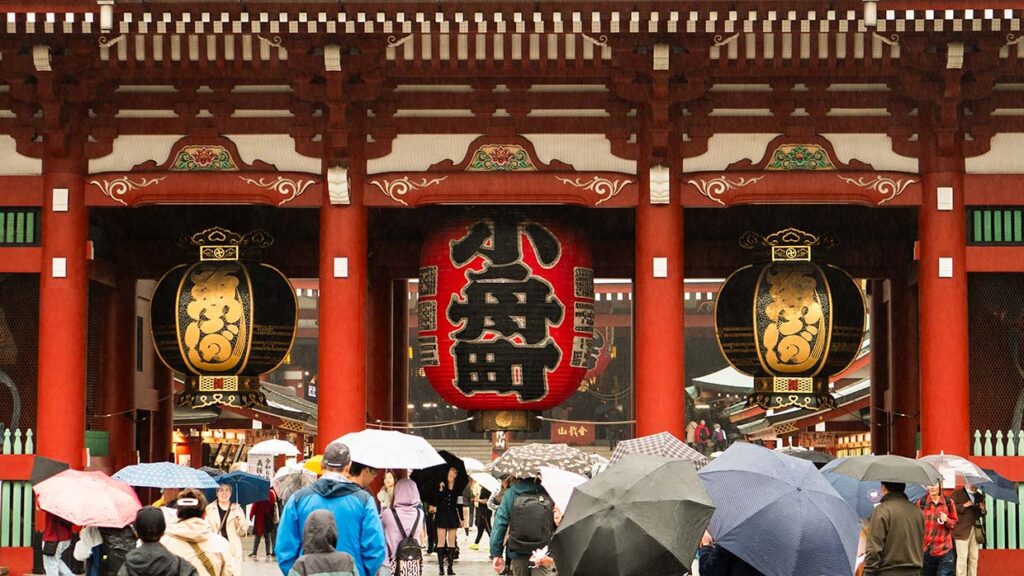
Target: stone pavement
{"x": 470, "y": 563}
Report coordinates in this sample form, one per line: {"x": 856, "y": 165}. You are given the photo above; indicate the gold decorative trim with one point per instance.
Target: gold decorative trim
{"x": 718, "y": 186}
{"x": 889, "y": 188}
{"x": 396, "y": 189}
{"x": 118, "y": 188}
{"x": 605, "y": 188}
{"x": 290, "y": 189}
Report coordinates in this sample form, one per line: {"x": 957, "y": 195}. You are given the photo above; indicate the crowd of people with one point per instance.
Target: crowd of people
{"x": 706, "y": 439}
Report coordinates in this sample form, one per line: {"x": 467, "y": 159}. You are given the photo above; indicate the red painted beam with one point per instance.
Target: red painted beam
{"x": 17, "y": 560}
{"x": 1010, "y": 467}
{"x": 16, "y": 467}
{"x": 995, "y": 259}
{"x": 21, "y": 260}
{"x": 22, "y": 190}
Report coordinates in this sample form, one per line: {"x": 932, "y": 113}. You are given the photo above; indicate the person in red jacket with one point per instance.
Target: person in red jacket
{"x": 701, "y": 435}
{"x": 56, "y": 539}
{"x": 264, "y": 516}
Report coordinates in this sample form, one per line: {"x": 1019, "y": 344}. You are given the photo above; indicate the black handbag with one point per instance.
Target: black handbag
{"x": 50, "y": 548}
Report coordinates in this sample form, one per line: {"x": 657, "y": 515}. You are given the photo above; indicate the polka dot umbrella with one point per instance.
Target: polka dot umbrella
{"x": 526, "y": 460}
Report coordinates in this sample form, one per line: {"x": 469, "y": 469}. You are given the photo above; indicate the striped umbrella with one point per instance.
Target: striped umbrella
{"x": 661, "y": 444}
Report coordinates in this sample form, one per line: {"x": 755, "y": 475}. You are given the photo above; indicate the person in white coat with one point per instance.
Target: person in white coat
{"x": 228, "y": 519}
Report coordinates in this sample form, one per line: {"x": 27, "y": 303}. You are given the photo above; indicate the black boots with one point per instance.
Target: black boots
{"x": 441, "y": 554}
{"x": 451, "y": 558}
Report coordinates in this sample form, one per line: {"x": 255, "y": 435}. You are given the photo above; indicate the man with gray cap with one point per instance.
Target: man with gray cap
{"x": 355, "y": 512}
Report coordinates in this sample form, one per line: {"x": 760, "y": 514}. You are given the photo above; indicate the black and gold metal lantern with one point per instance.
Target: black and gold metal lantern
{"x": 789, "y": 320}
{"x": 224, "y": 320}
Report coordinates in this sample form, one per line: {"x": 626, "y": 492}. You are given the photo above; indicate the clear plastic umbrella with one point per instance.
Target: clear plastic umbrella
{"x": 950, "y": 464}
{"x": 290, "y": 479}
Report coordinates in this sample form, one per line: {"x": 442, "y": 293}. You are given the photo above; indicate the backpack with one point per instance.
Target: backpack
{"x": 117, "y": 543}
{"x": 532, "y": 523}
{"x": 408, "y": 556}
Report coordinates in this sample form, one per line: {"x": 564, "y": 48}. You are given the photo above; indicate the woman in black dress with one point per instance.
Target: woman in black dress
{"x": 447, "y": 520}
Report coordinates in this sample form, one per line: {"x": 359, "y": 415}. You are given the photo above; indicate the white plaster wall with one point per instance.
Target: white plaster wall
{"x": 14, "y": 164}
{"x": 726, "y": 149}
{"x": 874, "y": 149}
{"x": 417, "y": 152}
{"x": 582, "y": 151}
{"x": 276, "y": 149}
{"x": 1003, "y": 158}
{"x": 130, "y": 151}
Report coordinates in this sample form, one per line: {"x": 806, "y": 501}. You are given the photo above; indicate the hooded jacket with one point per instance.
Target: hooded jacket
{"x": 153, "y": 559}
{"x": 355, "y": 514}
{"x": 179, "y": 537}
{"x": 319, "y": 539}
{"x": 407, "y": 505}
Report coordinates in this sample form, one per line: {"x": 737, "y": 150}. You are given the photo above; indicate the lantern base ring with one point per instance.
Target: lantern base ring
{"x": 504, "y": 420}
{"x": 774, "y": 393}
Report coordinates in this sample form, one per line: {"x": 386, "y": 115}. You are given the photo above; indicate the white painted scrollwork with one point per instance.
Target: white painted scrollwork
{"x": 716, "y": 187}
{"x": 605, "y": 188}
{"x": 396, "y": 189}
{"x": 290, "y": 189}
{"x": 118, "y": 188}
{"x": 889, "y": 188}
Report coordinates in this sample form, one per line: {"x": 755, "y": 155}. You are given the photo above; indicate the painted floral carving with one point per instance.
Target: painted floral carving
{"x": 397, "y": 189}
{"x": 888, "y": 188}
{"x": 286, "y": 187}
{"x": 604, "y": 188}
{"x": 501, "y": 158}
{"x": 800, "y": 157}
{"x": 203, "y": 159}
{"x": 118, "y": 188}
{"x": 715, "y": 188}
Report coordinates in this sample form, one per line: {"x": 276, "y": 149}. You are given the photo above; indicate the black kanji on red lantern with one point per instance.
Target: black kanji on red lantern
{"x": 505, "y": 312}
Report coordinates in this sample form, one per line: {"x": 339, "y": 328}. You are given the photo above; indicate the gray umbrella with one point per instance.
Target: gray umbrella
{"x": 888, "y": 468}
{"x": 643, "y": 516}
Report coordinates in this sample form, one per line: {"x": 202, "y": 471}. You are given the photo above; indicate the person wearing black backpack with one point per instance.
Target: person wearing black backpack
{"x": 403, "y": 528}
{"x": 527, "y": 516}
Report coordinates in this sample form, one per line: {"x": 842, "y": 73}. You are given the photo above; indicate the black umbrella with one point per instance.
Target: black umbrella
{"x": 819, "y": 459}
{"x": 643, "y": 516}
{"x": 999, "y": 488}
{"x": 43, "y": 468}
{"x": 428, "y": 479}
{"x": 214, "y": 472}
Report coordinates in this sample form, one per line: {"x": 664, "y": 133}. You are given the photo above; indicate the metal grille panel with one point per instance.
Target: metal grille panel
{"x": 19, "y": 349}
{"x": 996, "y": 332}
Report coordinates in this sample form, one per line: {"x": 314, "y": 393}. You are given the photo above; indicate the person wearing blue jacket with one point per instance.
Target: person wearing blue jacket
{"x": 355, "y": 512}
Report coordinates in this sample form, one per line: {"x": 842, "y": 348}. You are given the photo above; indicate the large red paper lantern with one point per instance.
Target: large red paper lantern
{"x": 506, "y": 315}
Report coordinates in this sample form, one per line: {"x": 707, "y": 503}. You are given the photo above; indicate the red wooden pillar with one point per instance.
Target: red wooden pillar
{"x": 659, "y": 327}
{"x": 906, "y": 388}
{"x": 942, "y": 233}
{"x": 879, "y": 366}
{"x": 342, "y": 349}
{"x": 118, "y": 374}
{"x": 378, "y": 346}
{"x": 400, "y": 351}
{"x": 63, "y": 311}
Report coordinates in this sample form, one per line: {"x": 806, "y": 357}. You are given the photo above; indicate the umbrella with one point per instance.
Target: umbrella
{"x": 861, "y": 495}
{"x": 274, "y": 448}
{"x": 164, "y": 475}
{"x": 213, "y": 472}
{"x": 245, "y": 488}
{"x": 915, "y": 492}
{"x": 643, "y": 516}
{"x": 999, "y": 487}
{"x": 525, "y": 460}
{"x": 888, "y": 468}
{"x": 428, "y": 479}
{"x": 598, "y": 464}
{"x": 88, "y": 499}
{"x": 778, "y": 514}
{"x": 390, "y": 449}
{"x": 473, "y": 465}
{"x": 489, "y": 482}
{"x": 43, "y": 468}
{"x": 950, "y": 464}
{"x": 314, "y": 464}
{"x": 290, "y": 479}
{"x": 819, "y": 459}
{"x": 559, "y": 484}
{"x": 660, "y": 444}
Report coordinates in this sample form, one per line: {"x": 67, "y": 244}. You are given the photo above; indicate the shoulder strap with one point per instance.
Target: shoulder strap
{"x": 203, "y": 558}
{"x": 401, "y": 529}
{"x": 415, "y": 523}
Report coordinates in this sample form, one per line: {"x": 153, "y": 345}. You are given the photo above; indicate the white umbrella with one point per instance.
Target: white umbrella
{"x": 473, "y": 465}
{"x": 273, "y": 448}
{"x": 487, "y": 481}
{"x": 389, "y": 449}
{"x": 559, "y": 484}
{"x": 948, "y": 464}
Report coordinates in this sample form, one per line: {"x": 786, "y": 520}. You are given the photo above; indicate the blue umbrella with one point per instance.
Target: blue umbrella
{"x": 915, "y": 492}
{"x": 861, "y": 495}
{"x": 245, "y": 488}
{"x": 778, "y": 514}
{"x": 164, "y": 475}
{"x": 1000, "y": 488}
